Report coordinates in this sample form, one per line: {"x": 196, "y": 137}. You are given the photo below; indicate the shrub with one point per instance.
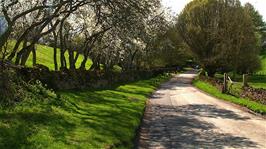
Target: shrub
{"x": 14, "y": 90}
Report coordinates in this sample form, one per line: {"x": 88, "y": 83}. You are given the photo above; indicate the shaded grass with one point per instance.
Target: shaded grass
{"x": 254, "y": 106}
{"x": 78, "y": 119}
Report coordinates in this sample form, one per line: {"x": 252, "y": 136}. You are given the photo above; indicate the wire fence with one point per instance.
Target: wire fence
{"x": 259, "y": 74}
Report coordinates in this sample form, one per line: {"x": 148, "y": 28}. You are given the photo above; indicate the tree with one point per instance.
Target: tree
{"x": 30, "y": 22}
{"x": 256, "y": 17}
{"x": 220, "y": 33}
{"x": 171, "y": 48}
{"x": 260, "y": 25}
{"x": 109, "y": 32}
{"x": 127, "y": 25}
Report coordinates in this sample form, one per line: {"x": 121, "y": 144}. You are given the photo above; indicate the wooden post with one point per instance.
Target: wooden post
{"x": 224, "y": 90}
{"x": 245, "y": 80}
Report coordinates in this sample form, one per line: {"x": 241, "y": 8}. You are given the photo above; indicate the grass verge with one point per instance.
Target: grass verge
{"x": 206, "y": 87}
{"x": 78, "y": 119}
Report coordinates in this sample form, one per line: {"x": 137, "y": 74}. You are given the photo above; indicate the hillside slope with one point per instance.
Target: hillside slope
{"x": 45, "y": 57}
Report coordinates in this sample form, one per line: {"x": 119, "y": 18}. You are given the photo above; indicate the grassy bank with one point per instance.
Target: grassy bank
{"x": 78, "y": 119}
{"x": 254, "y": 106}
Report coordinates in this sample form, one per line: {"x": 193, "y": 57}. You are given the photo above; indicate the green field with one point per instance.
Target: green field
{"x": 78, "y": 119}
{"x": 45, "y": 57}
{"x": 260, "y": 81}
{"x": 255, "y": 81}
{"x": 263, "y": 63}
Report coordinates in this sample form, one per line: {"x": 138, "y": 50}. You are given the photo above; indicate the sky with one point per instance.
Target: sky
{"x": 176, "y": 6}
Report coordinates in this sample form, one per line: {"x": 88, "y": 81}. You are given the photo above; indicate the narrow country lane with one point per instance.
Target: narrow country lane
{"x": 180, "y": 116}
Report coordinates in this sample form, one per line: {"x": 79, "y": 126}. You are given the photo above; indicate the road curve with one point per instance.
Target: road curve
{"x": 180, "y": 116}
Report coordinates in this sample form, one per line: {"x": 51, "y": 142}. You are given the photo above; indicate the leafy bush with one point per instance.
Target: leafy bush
{"x": 38, "y": 88}
{"x": 14, "y": 90}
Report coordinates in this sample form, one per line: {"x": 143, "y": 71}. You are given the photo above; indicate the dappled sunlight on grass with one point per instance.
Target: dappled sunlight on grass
{"x": 78, "y": 119}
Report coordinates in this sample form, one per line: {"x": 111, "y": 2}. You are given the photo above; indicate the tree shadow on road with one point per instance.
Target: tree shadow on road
{"x": 206, "y": 110}
{"x": 178, "y": 127}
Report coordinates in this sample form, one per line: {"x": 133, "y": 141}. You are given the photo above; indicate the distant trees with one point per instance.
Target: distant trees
{"x": 221, "y": 35}
{"x": 171, "y": 51}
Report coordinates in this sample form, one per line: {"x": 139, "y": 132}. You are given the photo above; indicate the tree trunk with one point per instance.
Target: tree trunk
{"x": 83, "y": 63}
{"x": 15, "y": 49}
{"x": 19, "y": 54}
{"x": 20, "y": 39}
{"x": 55, "y": 59}
{"x": 4, "y": 37}
{"x": 62, "y": 50}
{"x": 71, "y": 59}
{"x": 85, "y": 59}
{"x": 95, "y": 63}
{"x": 25, "y": 55}
{"x": 34, "y": 57}
{"x": 76, "y": 57}
{"x": 55, "y": 51}
{"x": 95, "y": 66}
{"x": 62, "y": 60}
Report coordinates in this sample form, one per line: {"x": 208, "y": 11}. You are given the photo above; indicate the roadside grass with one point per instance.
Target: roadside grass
{"x": 206, "y": 87}
{"x": 106, "y": 118}
{"x": 45, "y": 54}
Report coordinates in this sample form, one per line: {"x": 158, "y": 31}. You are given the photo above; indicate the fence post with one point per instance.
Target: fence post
{"x": 245, "y": 80}
{"x": 224, "y": 89}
